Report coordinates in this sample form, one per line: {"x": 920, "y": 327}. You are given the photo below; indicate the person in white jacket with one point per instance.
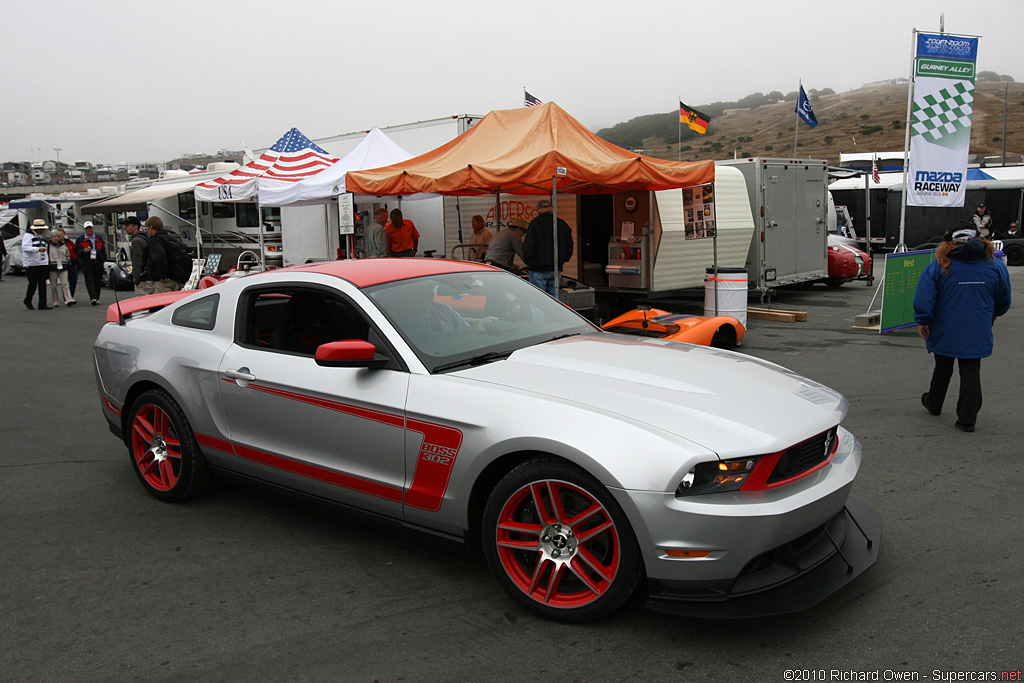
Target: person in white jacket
{"x": 35, "y": 259}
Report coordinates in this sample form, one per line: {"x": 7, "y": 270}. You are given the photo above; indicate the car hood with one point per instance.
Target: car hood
{"x": 727, "y": 402}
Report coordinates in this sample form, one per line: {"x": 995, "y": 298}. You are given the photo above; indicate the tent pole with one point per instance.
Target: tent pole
{"x": 554, "y": 234}
{"x": 648, "y": 245}
{"x": 867, "y": 226}
{"x": 259, "y": 225}
{"x": 497, "y": 211}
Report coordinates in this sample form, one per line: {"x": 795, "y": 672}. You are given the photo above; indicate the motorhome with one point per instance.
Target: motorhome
{"x": 225, "y": 228}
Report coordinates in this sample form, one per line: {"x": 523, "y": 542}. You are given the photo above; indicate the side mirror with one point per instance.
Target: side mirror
{"x": 350, "y": 353}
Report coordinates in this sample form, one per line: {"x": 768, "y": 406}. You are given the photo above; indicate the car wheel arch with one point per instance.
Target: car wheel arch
{"x": 138, "y": 389}
{"x": 495, "y": 470}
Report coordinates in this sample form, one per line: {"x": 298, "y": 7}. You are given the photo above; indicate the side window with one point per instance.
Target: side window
{"x": 223, "y": 210}
{"x": 199, "y": 315}
{"x": 298, "y": 320}
{"x": 247, "y": 216}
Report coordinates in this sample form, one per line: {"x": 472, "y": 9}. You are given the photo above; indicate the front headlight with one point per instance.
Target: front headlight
{"x": 715, "y": 477}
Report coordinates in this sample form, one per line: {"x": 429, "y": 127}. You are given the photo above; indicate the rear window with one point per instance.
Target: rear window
{"x": 199, "y": 315}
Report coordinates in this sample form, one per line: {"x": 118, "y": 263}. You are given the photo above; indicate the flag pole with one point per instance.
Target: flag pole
{"x": 902, "y": 246}
{"x": 796, "y": 115}
{"x": 679, "y": 143}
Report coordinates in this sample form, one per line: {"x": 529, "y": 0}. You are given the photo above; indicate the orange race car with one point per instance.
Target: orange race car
{"x": 722, "y": 331}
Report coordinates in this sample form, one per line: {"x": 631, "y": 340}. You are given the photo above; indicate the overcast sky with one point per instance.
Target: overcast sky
{"x": 138, "y": 80}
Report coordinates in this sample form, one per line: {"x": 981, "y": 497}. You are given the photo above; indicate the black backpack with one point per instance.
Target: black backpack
{"x": 179, "y": 258}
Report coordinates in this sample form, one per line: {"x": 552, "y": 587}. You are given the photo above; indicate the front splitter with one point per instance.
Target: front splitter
{"x": 857, "y": 552}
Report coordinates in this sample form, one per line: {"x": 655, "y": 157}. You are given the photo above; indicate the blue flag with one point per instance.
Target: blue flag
{"x": 803, "y": 108}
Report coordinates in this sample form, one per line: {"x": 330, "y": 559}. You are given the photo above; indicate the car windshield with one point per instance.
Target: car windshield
{"x": 457, "y": 320}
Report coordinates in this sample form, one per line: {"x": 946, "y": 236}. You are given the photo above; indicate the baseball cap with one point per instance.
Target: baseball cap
{"x": 964, "y": 234}
{"x": 543, "y": 205}
{"x": 132, "y": 220}
{"x": 87, "y": 224}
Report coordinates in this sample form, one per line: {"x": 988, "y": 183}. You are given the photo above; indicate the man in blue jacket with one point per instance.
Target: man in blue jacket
{"x": 958, "y": 298}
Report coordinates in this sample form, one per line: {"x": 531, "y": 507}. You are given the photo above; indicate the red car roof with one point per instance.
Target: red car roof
{"x": 374, "y": 271}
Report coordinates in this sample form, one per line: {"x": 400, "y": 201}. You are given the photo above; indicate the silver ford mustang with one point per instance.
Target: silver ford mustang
{"x": 456, "y": 398}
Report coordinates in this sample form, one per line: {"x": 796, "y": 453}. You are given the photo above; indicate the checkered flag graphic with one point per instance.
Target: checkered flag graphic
{"x": 936, "y": 117}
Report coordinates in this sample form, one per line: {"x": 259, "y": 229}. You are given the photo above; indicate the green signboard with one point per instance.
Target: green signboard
{"x": 902, "y": 271}
{"x": 945, "y": 68}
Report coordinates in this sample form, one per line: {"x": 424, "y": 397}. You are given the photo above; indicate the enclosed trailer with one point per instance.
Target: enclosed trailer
{"x": 789, "y": 203}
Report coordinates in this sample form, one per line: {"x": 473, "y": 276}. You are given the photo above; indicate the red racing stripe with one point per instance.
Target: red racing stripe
{"x": 434, "y": 462}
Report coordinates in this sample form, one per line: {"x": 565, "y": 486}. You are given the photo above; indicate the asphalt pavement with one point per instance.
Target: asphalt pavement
{"x": 101, "y": 582}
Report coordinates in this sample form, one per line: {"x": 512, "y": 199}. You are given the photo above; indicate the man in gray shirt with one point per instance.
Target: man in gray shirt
{"x": 139, "y": 246}
{"x": 375, "y": 240}
{"x": 506, "y": 245}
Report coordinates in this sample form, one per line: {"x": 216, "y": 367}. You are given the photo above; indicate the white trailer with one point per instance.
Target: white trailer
{"x": 789, "y": 203}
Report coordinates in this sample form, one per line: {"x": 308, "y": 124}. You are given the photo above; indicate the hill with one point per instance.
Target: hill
{"x": 867, "y": 119}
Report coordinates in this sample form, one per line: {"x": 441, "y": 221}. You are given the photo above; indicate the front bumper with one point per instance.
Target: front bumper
{"x": 789, "y": 578}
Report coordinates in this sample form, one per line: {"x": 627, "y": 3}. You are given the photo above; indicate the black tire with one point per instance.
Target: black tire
{"x": 1014, "y": 254}
{"x": 834, "y": 282}
{"x": 725, "y": 337}
{"x": 163, "y": 449}
{"x": 542, "y": 562}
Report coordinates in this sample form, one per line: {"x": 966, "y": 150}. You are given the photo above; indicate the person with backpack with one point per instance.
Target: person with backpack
{"x": 139, "y": 250}
{"x": 169, "y": 264}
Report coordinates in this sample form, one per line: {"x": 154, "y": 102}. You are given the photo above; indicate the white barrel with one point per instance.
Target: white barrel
{"x": 732, "y": 293}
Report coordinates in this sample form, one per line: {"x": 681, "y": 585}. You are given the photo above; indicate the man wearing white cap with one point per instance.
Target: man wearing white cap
{"x": 34, "y": 257}
{"x": 92, "y": 253}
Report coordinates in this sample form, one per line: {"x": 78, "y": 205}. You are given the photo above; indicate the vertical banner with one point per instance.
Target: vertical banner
{"x": 941, "y": 120}
{"x": 346, "y": 214}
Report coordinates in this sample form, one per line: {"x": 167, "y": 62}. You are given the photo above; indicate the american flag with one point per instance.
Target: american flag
{"x": 874, "y": 170}
{"x": 291, "y": 159}
{"x": 530, "y": 100}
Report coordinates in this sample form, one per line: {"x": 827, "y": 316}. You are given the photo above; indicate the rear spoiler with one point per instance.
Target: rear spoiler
{"x": 145, "y": 304}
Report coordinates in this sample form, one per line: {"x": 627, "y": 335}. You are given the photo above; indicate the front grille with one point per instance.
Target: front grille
{"x": 803, "y": 456}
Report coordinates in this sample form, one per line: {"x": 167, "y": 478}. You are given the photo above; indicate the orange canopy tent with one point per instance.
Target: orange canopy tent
{"x": 533, "y": 151}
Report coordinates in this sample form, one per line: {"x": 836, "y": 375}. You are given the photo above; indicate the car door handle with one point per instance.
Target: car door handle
{"x": 240, "y": 373}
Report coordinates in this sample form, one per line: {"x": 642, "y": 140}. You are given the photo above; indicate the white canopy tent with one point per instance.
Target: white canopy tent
{"x": 290, "y": 160}
{"x": 374, "y": 151}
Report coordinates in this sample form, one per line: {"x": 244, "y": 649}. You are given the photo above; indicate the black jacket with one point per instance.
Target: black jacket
{"x": 158, "y": 265}
{"x": 538, "y": 245}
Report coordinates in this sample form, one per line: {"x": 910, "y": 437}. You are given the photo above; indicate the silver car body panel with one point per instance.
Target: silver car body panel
{"x": 635, "y": 413}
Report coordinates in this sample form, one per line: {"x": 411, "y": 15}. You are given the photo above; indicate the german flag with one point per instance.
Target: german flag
{"x": 693, "y": 118}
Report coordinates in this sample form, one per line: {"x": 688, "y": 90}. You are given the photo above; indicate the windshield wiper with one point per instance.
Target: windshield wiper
{"x": 563, "y": 336}
{"x": 474, "y": 361}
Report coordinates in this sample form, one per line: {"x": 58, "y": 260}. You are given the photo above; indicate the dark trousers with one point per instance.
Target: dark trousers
{"x": 93, "y": 271}
{"x": 73, "y": 278}
{"x": 969, "y": 402}
{"x": 38, "y": 276}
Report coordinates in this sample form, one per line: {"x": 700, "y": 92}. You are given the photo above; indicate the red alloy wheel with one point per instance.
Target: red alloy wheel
{"x": 558, "y": 544}
{"x": 156, "y": 448}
